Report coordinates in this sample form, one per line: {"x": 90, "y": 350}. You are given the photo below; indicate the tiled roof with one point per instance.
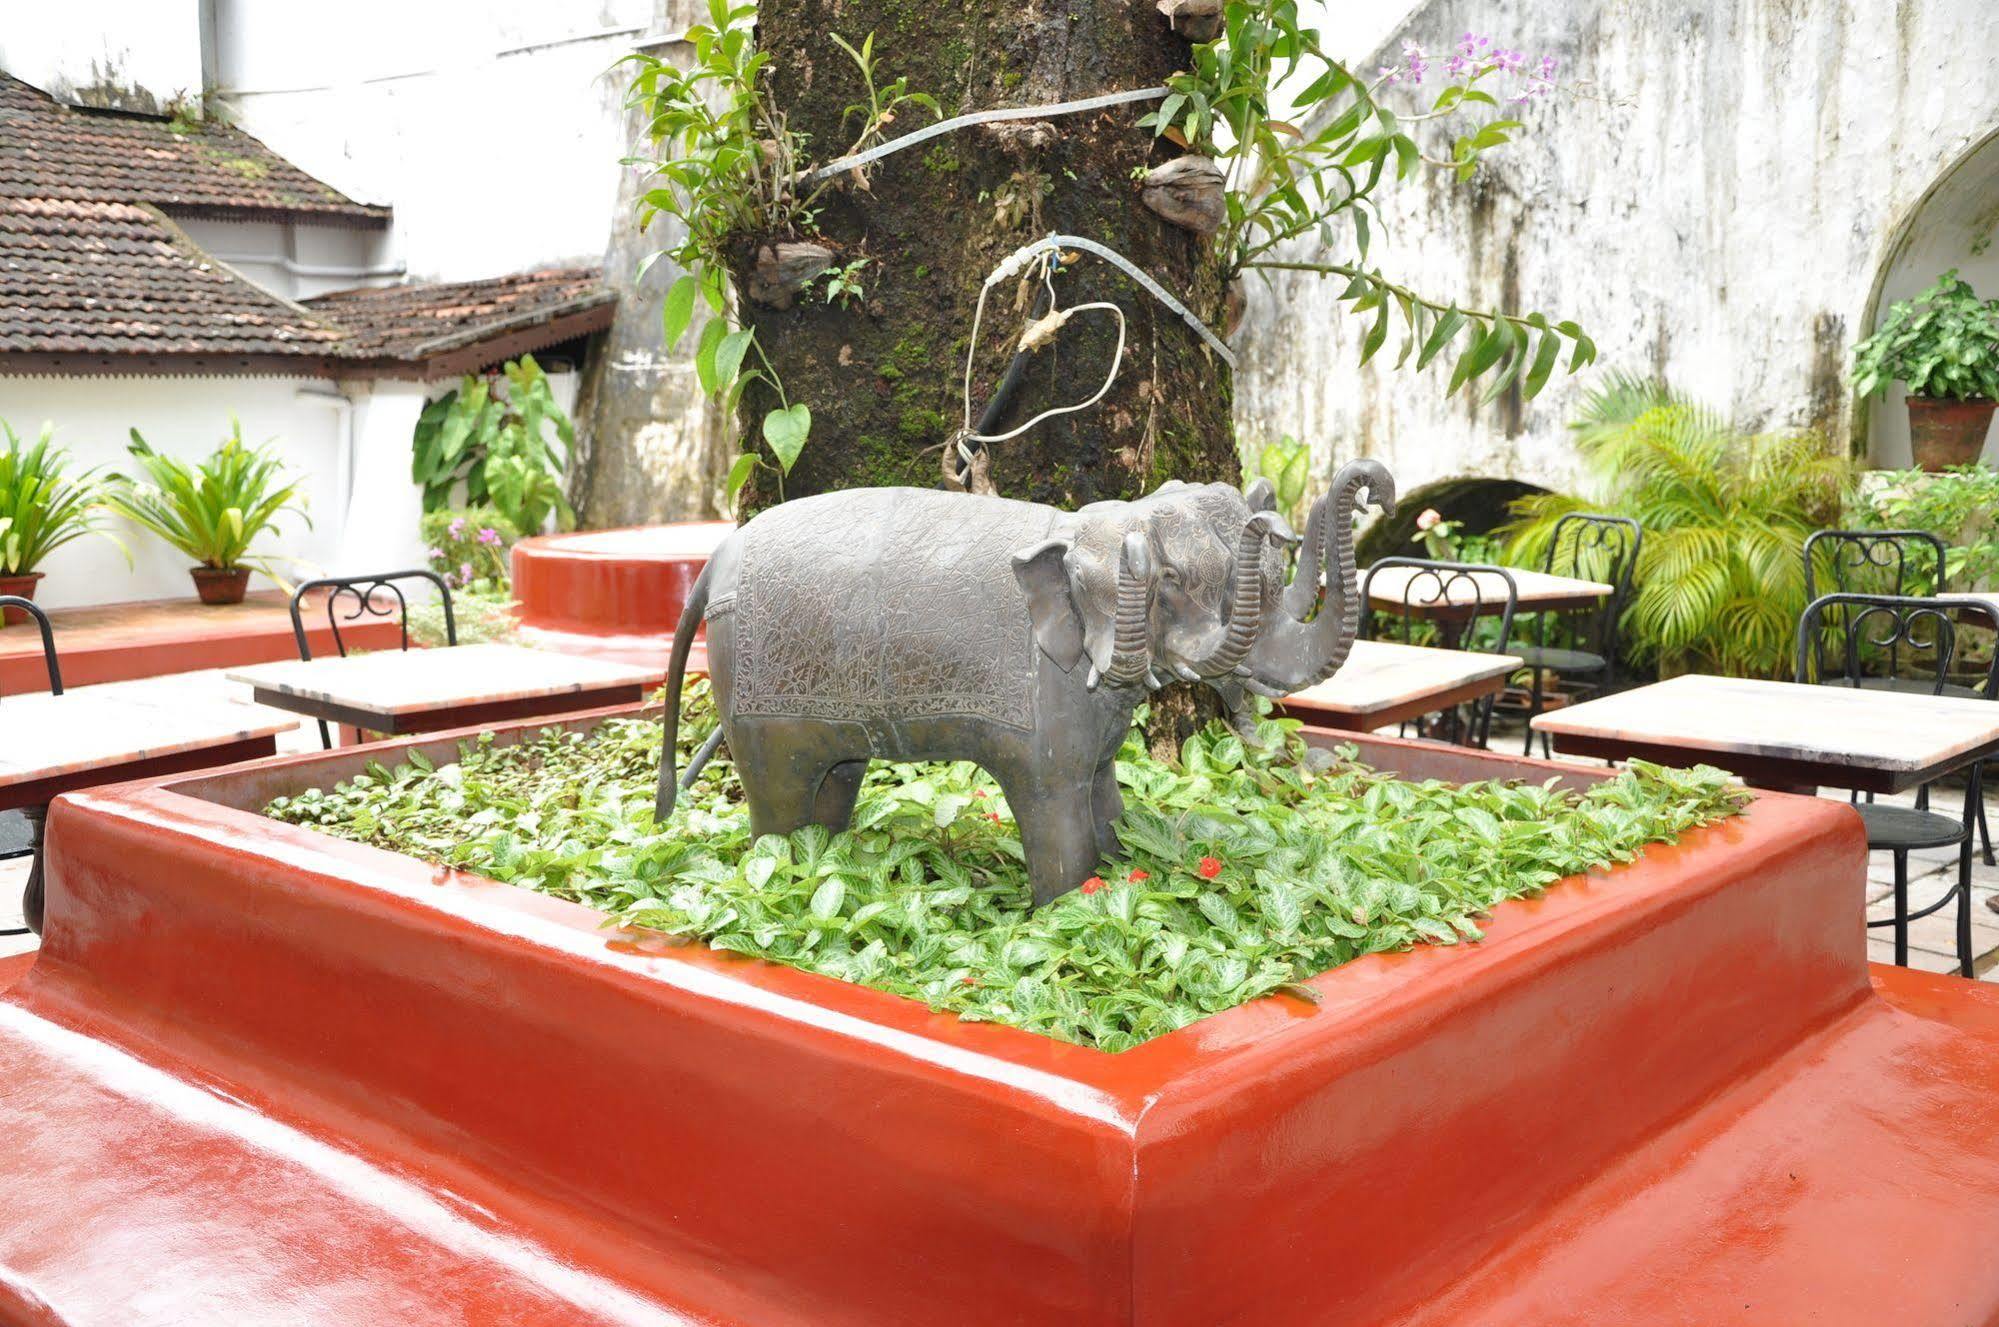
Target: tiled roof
{"x": 49, "y": 151}
{"x": 95, "y": 275}
{"x": 413, "y": 322}
{"x": 105, "y": 278}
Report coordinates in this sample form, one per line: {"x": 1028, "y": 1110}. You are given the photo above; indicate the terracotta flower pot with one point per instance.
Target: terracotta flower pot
{"x": 1946, "y": 433}
{"x": 220, "y": 585}
{"x": 22, "y": 585}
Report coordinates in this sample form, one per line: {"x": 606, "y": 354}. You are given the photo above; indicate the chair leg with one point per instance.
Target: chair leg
{"x": 1901, "y": 909}
{"x": 1964, "y": 909}
{"x": 1533, "y": 709}
{"x": 325, "y": 736}
{"x": 1985, "y": 831}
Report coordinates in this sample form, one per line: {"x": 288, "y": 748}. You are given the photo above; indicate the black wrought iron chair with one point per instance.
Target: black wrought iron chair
{"x": 1581, "y": 647}
{"x": 1924, "y": 632}
{"x": 375, "y": 595}
{"x": 1891, "y": 562}
{"x": 32, "y": 814}
{"x": 1468, "y": 595}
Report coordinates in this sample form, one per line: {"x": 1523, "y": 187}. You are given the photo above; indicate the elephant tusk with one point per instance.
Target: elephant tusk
{"x": 1090, "y": 682}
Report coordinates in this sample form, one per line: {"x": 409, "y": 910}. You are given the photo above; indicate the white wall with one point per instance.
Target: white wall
{"x": 299, "y": 260}
{"x": 494, "y": 127}
{"x": 1713, "y": 197}
{"x": 185, "y": 417}
{"x": 127, "y": 55}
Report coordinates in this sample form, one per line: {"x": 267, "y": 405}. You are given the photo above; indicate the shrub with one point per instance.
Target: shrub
{"x": 469, "y": 547}
{"x": 1245, "y": 870}
{"x": 1943, "y": 344}
{"x": 212, "y": 511}
{"x": 42, "y": 505}
{"x": 1959, "y": 506}
{"x": 1720, "y": 582}
{"x": 491, "y": 435}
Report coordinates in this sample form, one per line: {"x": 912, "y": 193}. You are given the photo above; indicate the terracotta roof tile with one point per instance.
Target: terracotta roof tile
{"x": 409, "y": 322}
{"x": 48, "y": 150}
{"x": 94, "y": 272}
{"x": 88, "y": 278}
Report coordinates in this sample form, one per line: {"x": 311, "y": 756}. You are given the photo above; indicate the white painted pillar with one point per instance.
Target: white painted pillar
{"x": 379, "y": 528}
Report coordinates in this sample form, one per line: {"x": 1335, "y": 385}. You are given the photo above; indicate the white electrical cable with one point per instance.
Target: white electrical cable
{"x": 1117, "y": 361}
{"x": 1020, "y": 257}
{"x": 928, "y": 132}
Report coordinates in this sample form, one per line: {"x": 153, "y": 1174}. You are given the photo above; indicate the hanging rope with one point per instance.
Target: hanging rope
{"x": 928, "y": 132}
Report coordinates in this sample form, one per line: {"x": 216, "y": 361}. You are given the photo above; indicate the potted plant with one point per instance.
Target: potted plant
{"x": 1944, "y": 345}
{"x": 41, "y": 508}
{"x": 210, "y": 512}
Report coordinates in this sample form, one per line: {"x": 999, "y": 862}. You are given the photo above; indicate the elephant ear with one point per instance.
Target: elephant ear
{"x": 1043, "y": 572}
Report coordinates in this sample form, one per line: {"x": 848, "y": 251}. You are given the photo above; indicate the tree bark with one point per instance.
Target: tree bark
{"x": 884, "y": 375}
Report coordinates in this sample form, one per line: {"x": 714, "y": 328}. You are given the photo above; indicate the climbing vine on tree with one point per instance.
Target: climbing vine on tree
{"x": 881, "y": 259}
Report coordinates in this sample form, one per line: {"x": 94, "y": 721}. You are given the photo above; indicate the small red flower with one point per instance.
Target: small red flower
{"x": 968, "y": 980}
{"x": 978, "y": 792}
{"x": 1093, "y": 884}
{"x": 1138, "y": 875}
{"x": 1210, "y": 867}
{"x": 993, "y": 816}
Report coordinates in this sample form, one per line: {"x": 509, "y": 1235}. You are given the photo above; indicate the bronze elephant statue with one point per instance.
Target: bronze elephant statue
{"x": 911, "y": 624}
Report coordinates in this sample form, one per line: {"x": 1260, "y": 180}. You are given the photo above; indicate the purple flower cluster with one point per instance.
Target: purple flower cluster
{"x": 488, "y": 535}
{"x": 1475, "y": 55}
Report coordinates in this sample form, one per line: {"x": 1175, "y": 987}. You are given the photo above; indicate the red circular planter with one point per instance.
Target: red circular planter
{"x": 611, "y": 593}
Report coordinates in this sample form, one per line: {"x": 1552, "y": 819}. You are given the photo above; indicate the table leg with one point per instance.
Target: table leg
{"x": 31, "y": 897}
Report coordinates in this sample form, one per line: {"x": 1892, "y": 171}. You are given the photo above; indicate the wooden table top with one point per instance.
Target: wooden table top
{"x": 1536, "y": 590}
{"x": 1826, "y": 728}
{"x": 45, "y": 737}
{"x": 1381, "y": 676}
{"x": 396, "y": 682}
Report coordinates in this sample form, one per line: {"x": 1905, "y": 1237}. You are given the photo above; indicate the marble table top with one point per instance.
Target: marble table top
{"x": 1380, "y": 676}
{"x": 393, "y": 682}
{"x": 1535, "y": 589}
{"x": 45, "y": 737}
{"x": 1826, "y": 726}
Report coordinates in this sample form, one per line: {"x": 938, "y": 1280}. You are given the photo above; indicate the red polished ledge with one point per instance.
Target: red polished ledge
{"x": 611, "y": 593}
{"x": 121, "y": 642}
{"x": 1635, "y": 1101}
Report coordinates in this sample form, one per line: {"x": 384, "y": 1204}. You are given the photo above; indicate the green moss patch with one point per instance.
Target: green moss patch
{"x": 1245, "y": 870}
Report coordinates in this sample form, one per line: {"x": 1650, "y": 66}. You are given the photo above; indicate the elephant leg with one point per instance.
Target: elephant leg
{"x": 833, "y": 806}
{"x": 1058, "y": 835}
{"x": 1107, "y": 804}
{"x": 782, "y": 794}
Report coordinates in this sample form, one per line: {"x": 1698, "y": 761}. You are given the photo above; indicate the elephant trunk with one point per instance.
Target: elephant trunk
{"x": 1131, "y": 636}
{"x": 1245, "y": 595}
{"x": 1291, "y": 654}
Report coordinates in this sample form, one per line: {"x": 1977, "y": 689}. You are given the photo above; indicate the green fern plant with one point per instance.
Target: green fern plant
{"x": 43, "y": 505}
{"x": 1720, "y": 582}
{"x": 211, "y": 511}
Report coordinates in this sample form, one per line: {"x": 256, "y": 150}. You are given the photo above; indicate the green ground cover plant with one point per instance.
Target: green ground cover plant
{"x": 1246, "y": 870}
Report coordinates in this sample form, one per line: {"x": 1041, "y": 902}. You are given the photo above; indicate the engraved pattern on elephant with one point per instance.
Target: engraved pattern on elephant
{"x": 906, "y": 605}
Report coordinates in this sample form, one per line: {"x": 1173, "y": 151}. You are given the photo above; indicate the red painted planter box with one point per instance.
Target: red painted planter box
{"x": 1667, "y": 1094}
{"x": 611, "y": 593}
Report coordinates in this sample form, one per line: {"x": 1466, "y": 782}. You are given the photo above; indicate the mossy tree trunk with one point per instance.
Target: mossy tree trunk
{"x": 883, "y": 374}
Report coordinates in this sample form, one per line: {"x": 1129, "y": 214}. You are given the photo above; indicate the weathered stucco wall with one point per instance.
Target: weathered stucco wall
{"x": 1714, "y": 196}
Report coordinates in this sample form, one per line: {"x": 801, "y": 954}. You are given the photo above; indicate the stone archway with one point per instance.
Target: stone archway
{"x": 1954, "y": 224}
{"x": 1478, "y": 504}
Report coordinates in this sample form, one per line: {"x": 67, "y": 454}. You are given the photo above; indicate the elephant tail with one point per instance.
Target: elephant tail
{"x": 676, "y": 672}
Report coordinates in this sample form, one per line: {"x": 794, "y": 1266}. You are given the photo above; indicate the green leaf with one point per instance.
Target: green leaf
{"x": 712, "y": 333}
{"x": 786, "y": 430}
{"x": 729, "y": 355}
{"x": 678, "y": 310}
{"x": 739, "y": 475}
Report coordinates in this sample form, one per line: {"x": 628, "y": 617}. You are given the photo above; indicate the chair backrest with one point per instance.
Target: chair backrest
{"x": 367, "y": 596}
{"x": 1594, "y": 547}
{"x": 1474, "y": 591}
{"x": 1920, "y": 634}
{"x": 34, "y": 611}
{"x": 1890, "y": 562}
